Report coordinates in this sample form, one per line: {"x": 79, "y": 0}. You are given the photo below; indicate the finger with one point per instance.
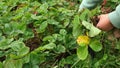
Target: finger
{"x": 98, "y": 26}
{"x": 99, "y": 16}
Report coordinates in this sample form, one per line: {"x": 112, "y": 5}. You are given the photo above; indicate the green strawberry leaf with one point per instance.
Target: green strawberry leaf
{"x": 76, "y": 27}
{"x": 60, "y": 49}
{"x": 13, "y": 64}
{"x": 96, "y": 45}
{"x": 82, "y": 52}
{"x": 42, "y": 27}
{"x": 49, "y": 46}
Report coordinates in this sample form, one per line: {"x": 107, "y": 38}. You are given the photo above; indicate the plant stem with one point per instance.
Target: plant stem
{"x": 75, "y": 63}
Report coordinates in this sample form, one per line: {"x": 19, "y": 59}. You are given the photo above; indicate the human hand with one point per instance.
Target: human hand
{"x": 104, "y": 23}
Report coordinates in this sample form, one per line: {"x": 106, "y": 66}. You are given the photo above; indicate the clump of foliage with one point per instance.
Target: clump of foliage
{"x": 52, "y": 34}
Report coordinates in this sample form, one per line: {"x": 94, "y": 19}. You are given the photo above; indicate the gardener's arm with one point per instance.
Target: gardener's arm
{"x": 108, "y": 21}
{"x": 90, "y": 4}
{"x": 115, "y": 17}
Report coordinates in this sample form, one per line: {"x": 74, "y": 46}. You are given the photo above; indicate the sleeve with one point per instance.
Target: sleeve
{"x": 115, "y": 17}
{"x": 90, "y": 4}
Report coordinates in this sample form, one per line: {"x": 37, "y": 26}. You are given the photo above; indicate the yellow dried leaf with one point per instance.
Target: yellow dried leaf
{"x": 83, "y": 40}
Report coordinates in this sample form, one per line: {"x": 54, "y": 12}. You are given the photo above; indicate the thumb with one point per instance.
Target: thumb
{"x": 98, "y": 24}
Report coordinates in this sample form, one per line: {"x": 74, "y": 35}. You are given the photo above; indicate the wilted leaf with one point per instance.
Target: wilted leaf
{"x": 83, "y": 40}
{"x": 93, "y": 30}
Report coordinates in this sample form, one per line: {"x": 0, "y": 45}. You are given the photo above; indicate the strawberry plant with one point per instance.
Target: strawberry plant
{"x": 53, "y": 34}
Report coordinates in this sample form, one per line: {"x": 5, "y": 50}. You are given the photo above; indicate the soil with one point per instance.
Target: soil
{"x": 2, "y": 58}
{"x": 34, "y": 42}
{"x": 95, "y": 20}
{"x": 116, "y": 33}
